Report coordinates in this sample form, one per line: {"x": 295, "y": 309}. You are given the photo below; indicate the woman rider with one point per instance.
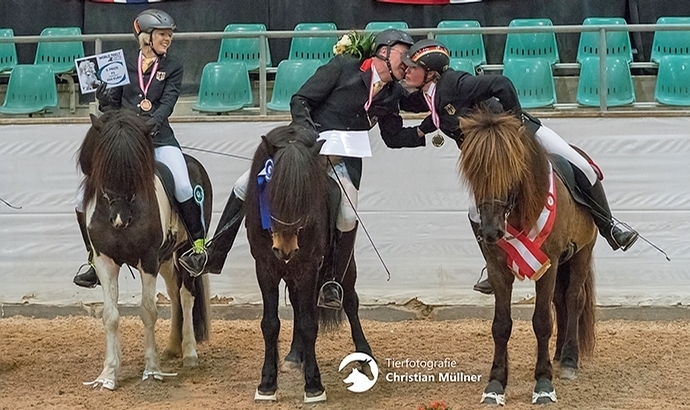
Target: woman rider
{"x": 152, "y": 93}
{"x": 450, "y": 94}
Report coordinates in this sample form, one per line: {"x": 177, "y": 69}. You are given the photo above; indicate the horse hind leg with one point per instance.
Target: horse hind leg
{"x": 173, "y": 285}
{"x": 561, "y": 309}
{"x": 351, "y": 308}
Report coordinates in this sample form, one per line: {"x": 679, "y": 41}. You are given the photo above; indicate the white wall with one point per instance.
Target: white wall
{"x": 411, "y": 203}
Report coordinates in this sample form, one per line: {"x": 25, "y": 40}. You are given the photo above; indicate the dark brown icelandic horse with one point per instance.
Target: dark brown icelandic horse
{"x": 289, "y": 228}
{"x": 130, "y": 221}
{"x": 509, "y": 175}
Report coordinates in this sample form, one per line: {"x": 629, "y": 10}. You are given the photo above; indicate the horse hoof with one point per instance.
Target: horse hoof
{"x": 568, "y": 373}
{"x": 543, "y": 393}
{"x": 494, "y": 394}
{"x": 314, "y": 397}
{"x": 264, "y": 396}
{"x": 107, "y": 384}
{"x": 290, "y": 366}
{"x": 169, "y": 354}
{"x": 190, "y": 362}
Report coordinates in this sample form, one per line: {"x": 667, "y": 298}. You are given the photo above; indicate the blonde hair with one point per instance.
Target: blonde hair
{"x": 144, "y": 39}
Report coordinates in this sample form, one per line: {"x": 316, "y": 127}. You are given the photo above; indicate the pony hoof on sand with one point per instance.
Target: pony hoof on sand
{"x": 314, "y": 397}
{"x": 102, "y": 383}
{"x": 261, "y": 396}
{"x": 568, "y": 373}
{"x": 543, "y": 393}
{"x": 190, "y": 361}
{"x": 158, "y": 375}
{"x": 494, "y": 394}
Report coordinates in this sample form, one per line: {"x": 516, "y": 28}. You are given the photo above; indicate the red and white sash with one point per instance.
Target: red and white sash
{"x": 525, "y": 257}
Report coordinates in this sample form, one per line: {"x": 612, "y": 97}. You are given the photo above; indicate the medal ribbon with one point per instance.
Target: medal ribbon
{"x": 371, "y": 90}
{"x": 430, "y": 97}
{"x": 141, "y": 75}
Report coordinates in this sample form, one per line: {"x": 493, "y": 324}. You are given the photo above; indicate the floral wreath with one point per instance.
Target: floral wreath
{"x": 355, "y": 44}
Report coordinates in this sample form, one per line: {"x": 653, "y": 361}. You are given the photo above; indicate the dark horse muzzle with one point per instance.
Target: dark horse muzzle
{"x": 119, "y": 209}
{"x": 494, "y": 218}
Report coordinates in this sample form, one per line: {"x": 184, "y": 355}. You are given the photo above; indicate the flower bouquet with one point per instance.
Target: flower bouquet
{"x": 434, "y": 405}
{"x": 355, "y": 44}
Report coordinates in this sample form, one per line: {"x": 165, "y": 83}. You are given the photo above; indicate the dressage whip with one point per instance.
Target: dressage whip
{"x": 9, "y": 204}
{"x": 209, "y": 151}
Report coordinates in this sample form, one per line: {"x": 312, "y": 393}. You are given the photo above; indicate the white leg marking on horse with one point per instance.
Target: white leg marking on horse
{"x": 108, "y": 273}
{"x": 189, "y": 354}
{"x": 149, "y": 315}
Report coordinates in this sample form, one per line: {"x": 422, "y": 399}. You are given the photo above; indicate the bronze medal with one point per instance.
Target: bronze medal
{"x": 437, "y": 140}
{"x": 145, "y": 105}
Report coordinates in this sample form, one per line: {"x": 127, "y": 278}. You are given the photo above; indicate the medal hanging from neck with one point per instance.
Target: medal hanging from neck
{"x": 372, "y": 94}
{"x": 430, "y": 97}
{"x": 145, "y": 103}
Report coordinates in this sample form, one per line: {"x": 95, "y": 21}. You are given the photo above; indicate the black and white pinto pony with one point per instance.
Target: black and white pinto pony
{"x": 289, "y": 226}
{"x": 131, "y": 221}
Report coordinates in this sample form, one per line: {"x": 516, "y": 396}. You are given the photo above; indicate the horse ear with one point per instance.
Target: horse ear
{"x": 270, "y": 149}
{"x": 96, "y": 122}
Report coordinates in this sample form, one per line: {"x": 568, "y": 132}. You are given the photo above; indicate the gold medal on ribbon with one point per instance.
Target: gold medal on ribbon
{"x": 146, "y": 105}
{"x": 437, "y": 140}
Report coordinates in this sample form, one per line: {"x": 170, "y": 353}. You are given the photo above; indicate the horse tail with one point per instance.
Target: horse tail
{"x": 587, "y": 335}
{"x": 201, "y": 312}
{"x": 330, "y": 319}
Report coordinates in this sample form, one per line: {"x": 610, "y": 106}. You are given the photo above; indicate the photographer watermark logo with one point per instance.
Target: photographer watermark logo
{"x": 360, "y": 381}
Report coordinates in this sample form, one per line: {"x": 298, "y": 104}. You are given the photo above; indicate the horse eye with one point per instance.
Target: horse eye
{"x": 105, "y": 195}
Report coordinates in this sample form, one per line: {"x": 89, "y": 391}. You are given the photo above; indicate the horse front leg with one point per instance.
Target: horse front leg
{"x": 293, "y": 360}
{"x": 306, "y": 321}
{"x": 541, "y": 323}
{"x": 149, "y": 315}
{"x": 502, "y": 283}
{"x": 270, "y": 328}
{"x": 108, "y": 272}
{"x": 351, "y": 308}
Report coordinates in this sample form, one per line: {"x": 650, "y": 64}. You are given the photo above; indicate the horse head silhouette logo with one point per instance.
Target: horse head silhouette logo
{"x": 360, "y": 381}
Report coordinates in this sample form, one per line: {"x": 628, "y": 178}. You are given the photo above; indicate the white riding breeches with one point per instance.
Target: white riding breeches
{"x": 346, "y": 213}
{"x": 170, "y": 156}
{"x": 554, "y": 144}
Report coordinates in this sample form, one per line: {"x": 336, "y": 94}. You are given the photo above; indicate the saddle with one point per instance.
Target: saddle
{"x": 168, "y": 182}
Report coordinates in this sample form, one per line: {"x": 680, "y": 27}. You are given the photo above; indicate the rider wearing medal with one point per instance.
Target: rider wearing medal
{"x": 155, "y": 83}
{"x": 352, "y": 92}
{"x": 450, "y": 94}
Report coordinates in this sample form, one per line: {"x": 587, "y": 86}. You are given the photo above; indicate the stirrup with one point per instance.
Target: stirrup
{"x": 194, "y": 261}
{"x": 84, "y": 284}
{"x": 481, "y": 285}
{"x": 334, "y": 301}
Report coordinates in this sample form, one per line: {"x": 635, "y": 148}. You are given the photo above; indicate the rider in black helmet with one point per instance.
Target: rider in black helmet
{"x": 451, "y": 94}
{"x": 385, "y": 40}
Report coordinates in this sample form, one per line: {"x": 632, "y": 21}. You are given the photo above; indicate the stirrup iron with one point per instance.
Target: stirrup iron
{"x": 321, "y": 300}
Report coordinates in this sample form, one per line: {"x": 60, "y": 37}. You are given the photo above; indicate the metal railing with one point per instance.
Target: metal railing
{"x": 98, "y": 39}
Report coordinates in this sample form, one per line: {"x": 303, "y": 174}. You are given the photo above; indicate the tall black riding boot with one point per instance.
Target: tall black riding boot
{"x": 226, "y": 232}
{"x": 482, "y": 286}
{"x": 342, "y": 252}
{"x": 192, "y": 217}
{"x": 617, "y": 238}
{"x": 88, "y": 279}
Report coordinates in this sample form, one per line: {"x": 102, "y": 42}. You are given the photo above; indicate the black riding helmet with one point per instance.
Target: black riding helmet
{"x": 431, "y": 55}
{"x": 151, "y": 19}
{"x": 388, "y": 38}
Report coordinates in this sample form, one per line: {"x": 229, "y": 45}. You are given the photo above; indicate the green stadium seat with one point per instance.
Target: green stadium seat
{"x": 671, "y": 42}
{"x": 243, "y": 49}
{"x": 60, "y": 55}
{"x": 224, "y": 87}
{"x": 617, "y": 42}
{"x": 31, "y": 89}
{"x": 673, "y": 80}
{"x": 533, "y": 80}
{"x": 463, "y": 64}
{"x": 290, "y": 76}
{"x": 531, "y": 45}
{"x": 313, "y": 48}
{"x": 463, "y": 46}
{"x": 620, "y": 89}
{"x": 8, "y": 51}
{"x": 376, "y": 26}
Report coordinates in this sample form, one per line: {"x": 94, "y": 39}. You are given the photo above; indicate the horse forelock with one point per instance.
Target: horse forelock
{"x": 499, "y": 159}
{"x": 122, "y": 156}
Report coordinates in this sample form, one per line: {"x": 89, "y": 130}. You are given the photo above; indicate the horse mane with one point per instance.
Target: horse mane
{"x": 117, "y": 154}
{"x": 296, "y": 187}
{"x": 499, "y": 159}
